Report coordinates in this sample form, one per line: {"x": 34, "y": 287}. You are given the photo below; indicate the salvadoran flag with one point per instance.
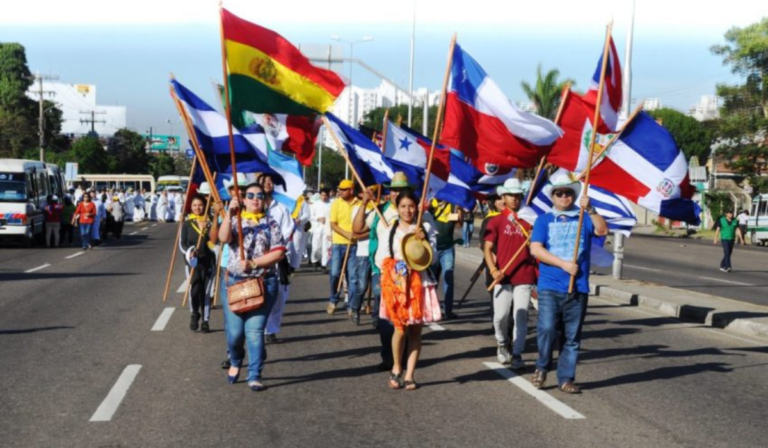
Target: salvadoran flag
{"x": 483, "y": 124}
{"x": 646, "y": 166}
{"x": 613, "y": 90}
{"x": 365, "y": 156}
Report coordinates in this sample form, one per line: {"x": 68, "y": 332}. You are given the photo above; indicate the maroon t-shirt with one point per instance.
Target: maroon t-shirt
{"x": 505, "y": 232}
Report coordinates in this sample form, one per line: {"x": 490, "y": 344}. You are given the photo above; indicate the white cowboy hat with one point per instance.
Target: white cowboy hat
{"x": 561, "y": 180}
{"x": 205, "y": 189}
{"x": 511, "y": 186}
{"x": 243, "y": 180}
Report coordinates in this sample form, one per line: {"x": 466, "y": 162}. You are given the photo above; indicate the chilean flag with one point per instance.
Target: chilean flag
{"x": 483, "y": 124}
{"x": 646, "y": 166}
{"x": 613, "y": 91}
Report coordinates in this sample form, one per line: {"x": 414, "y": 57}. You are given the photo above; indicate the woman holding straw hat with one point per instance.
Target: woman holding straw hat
{"x": 409, "y": 297}
{"x": 196, "y": 246}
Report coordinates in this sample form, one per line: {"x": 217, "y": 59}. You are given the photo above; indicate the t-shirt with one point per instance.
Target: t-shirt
{"x": 341, "y": 214}
{"x": 87, "y": 212}
{"x": 507, "y": 234}
{"x": 382, "y": 236}
{"x": 727, "y": 229}
{"x": 53, "y": 213}
{"x": 362, "y": 245}
{"x": 743, "y": 219}
{"x": 557, "y": 232}
{"x": 444, "y": 226}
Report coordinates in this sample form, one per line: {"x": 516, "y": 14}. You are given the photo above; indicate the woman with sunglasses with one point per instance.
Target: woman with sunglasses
{"x": 200, "y": 260}
{"x": 409, "y": 297}
{"x": 264, "y": 247}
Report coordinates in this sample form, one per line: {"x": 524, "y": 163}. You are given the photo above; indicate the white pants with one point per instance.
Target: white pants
{"x": 318, "y": 236}
{"x": 276, "y": 314}
{"x": 299, "y": 246}
{"x": 52, "y": 228}
{"x": 515, "y": 298}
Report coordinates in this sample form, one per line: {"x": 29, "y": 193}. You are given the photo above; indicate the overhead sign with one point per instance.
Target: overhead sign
{"x": 162, "y": 143}
{"x": 70, "y": 172}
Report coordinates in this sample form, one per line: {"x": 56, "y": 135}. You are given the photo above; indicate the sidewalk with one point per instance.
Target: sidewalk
{"x": 718, "y": 312}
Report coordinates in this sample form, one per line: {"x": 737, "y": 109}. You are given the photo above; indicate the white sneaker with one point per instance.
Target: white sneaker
{"x": 503, "y": 355}
{"x": 517, "y": 364}
{"x": 724, "y": 270}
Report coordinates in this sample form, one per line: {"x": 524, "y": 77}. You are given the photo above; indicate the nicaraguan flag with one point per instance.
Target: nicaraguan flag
{"x": 365, "y": 156}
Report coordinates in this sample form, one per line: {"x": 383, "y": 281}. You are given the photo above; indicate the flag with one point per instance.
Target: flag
{"x": 267, "y": 74}
{"x": 612, "y": 92}
{"x": 294, "y": 134}
{"x": 458, "y": 188}
{"x": 293, "y": 185}
{"x": 364, "y": 155}
{"x": 482, "y": 123}
{"x": 646, "y": 166}
{"x": 371, "y": 133}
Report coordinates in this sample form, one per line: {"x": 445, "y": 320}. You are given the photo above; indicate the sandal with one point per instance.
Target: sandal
{"x": 410, "y": 385}
{"x": 569, "y": 388}
{"x": 395, "y": 380}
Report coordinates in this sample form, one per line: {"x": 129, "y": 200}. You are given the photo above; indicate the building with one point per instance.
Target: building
{"x": 652, "y": 104}
{"x": 80, "y": 110}
{"x": 707, "y": 109}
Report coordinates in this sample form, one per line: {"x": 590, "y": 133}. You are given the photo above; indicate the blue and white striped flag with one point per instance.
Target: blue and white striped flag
{"x": 364, "y": 155}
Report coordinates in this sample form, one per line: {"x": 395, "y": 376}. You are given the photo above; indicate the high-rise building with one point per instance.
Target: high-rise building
{"x": 707, "y": 109}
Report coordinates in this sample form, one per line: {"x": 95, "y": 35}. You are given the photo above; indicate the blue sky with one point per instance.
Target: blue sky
{"x": 130, "y": 60}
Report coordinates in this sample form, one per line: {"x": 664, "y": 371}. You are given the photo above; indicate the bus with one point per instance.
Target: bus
{"x": 164, "y": 182}
{"x": 24, "y": 186}
{"x": 757, "y": 225}
{"x": 117, "y": 181}
{"x": 56, "y": 180}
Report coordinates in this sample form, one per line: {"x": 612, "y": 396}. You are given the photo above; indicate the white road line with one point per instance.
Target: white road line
{"x": 183, "y": 288}
{"x": 134, "y": 233}
{"x": 641, "y": 268}
{"x": 110, "y": 404}
{"x": 74, "y": 255}
{"x": 37, "y": 268}
{"x": 726, "y": 281}
{"x": 153, "y": 225}
{"x": 162, "y": 321}
{"x": 436, "y": 327}
{"x": 546, "y": 399}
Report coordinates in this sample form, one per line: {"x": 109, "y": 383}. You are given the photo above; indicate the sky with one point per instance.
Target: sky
{"x": 129, "y": 48}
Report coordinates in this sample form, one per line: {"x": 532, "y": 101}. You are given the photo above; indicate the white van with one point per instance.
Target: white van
{"x": 757, "y": 225}
{"x": 24, "y": 185}
{"x": 56, "y": 181}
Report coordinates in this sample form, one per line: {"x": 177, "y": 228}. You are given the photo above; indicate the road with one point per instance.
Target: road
{"x": 75, "y": 333}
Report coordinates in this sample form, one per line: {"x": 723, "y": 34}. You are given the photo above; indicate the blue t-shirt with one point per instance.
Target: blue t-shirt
{"x": 558, "y": 235}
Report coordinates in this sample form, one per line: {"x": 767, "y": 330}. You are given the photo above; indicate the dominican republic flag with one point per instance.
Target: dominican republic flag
{"x": 646, "y": 166}
{"x": 483, "y": 124}
{"x": 571, "y": 152}
{"x": 613, "y": 90}
{"x": 365, "y": 156}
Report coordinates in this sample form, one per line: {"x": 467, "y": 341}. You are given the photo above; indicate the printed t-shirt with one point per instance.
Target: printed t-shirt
{"x": 507, "y": 234}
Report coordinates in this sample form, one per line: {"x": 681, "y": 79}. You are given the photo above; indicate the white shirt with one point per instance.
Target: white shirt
{"x": 280, "y": 214}
{"x": 362, "y": 245}
{"x": 743, "y": 219}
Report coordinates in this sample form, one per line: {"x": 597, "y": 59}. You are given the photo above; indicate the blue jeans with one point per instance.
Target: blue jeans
{"x": 337, "y": 259}
{"x": 466, "y": 232}
{"x": 362, "y": 269}
{"x": 725, "y": 263}
{"x": 555, "y": 308}
{"x": 85, "y": 235}
{"x": 248, "y": 328}
{"x": 445, "y": 264}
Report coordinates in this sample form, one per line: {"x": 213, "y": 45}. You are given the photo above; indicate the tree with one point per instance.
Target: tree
{"x": 743, "y": 130}
{"x": 90, "y": 155}
{"x": 333, "y": 169}
{"x": 182, "y": 165}
{"x": 162, "y": 165}
{"x": 375, "y": 118}
{"x": 17, "y": 128}
{"x": 693, "y": 137}
{"x": 127, "y": 153}
{"x": 547, "y": 93}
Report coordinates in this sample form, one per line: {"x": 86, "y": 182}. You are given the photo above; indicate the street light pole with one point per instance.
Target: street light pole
{"x": 410, "y": 77}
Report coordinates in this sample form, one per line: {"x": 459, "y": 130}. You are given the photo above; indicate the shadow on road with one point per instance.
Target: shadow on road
{"x": 34, "y": 330}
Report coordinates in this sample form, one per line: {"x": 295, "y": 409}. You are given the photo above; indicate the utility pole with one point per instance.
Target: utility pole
{"x": 92, "y": 120}
{"x": 41, "y": 119}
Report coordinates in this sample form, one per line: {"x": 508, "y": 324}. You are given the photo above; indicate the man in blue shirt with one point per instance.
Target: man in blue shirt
{"x": 553, "y": 243}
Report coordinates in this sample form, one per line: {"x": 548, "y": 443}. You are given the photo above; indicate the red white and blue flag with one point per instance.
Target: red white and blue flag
{"x": 484, "y": 125}
{"x": 612, "y": 91}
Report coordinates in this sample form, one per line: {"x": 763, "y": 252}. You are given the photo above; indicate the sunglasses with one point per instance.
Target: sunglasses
{"x": 254, "y": 196}
{"x": 561, "y": 193}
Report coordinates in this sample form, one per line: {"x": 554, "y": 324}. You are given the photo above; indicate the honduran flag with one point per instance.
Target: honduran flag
{"x": 483, "y": 124}
{"x": 408, "y": 151}
{"x": 646, "y": 166}
{"x": 459, "y": 188}
{"x": 612, "y": 93}
{"x": 364, "y": 155}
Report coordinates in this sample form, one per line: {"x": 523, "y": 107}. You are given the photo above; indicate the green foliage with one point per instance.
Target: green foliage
{"x": 127, "y": 153}
{"x": 91, "y": 156}
{"x": 332, "y": 170}
{"x": 547, "y": 92}
{"x": 163, "y": 164}
{"x": 182, "y": 165}
{"x": 693, "y": 137}
{"x": 375, "y": 118}
{"x": 718, "y": 202}
{"x": 15, "y": 77}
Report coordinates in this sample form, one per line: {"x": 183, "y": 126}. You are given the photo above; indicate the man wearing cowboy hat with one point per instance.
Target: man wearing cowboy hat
{"x": 553, "y": 243}
{"x": 506, "y": 236}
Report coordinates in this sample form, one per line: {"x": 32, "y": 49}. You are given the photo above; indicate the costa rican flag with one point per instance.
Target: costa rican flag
{"x": 612, "y": 92}
{"x": 646, "y": 166}
{"x": 483, "y": 124}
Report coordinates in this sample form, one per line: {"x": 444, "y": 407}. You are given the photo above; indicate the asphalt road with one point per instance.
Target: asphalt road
{"x": 75, "y": 331}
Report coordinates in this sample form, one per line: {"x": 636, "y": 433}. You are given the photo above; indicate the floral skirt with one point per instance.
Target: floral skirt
{"x": 408, "y": 298}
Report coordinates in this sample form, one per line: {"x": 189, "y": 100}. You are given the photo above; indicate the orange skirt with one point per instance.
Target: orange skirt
{"x": 405, "y": 298}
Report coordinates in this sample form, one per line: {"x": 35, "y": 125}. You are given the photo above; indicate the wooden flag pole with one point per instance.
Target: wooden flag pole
{"x": 228, "y": 110}
{"x": 511, "y": 260}
{"x": 344, "y": 265}
{"x": 595, "y": 121}
{"x": 343, "y": 152}
{"x": 199, "y": 238}
{"x": 384, "y": 132}
{"x": 436, "y": 133}
{"x": 176, "y": 243}
{"x": 542, "y": 163}
{"x": 218, "y": 277}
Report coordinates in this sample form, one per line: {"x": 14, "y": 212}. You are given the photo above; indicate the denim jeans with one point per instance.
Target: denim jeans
{"x": 248, "y": 328}
{"x": 466, "y": 232}
{"x": 725, "y": 263}
{"x": 85, "y": 235}
{"x": 445, "y": 264}
{"x": 337, "y": 259}
{"x": 362, "y": 269}
{"x": 556, "y": 307}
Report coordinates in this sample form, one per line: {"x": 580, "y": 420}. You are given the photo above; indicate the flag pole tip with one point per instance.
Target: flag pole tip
{"x": 172, "y": 76}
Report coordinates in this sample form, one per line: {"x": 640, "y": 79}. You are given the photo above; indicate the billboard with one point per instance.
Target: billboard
{"x": 162, "y": 143}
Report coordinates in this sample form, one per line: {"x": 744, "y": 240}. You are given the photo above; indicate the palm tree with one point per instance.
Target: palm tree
{"x": 546, "y": 95}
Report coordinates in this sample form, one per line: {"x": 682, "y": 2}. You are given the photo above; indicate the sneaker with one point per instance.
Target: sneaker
{"x": 205, "y": 328}
{"x": 724, "y": 270}
{"x": 517, "y": 364}
{"x": 728, "y": 269}
{"x": 503, "y": 355}
{"x": 271, "y": 338}
{"x": 355, "y": 317}
{"x": 331, "y": 308}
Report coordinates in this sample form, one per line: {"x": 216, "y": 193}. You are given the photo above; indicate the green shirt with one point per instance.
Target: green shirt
{"x": 727, "y": 229}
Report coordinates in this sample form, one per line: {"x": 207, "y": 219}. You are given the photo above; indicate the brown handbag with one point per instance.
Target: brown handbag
{"x": 246, "y": 295}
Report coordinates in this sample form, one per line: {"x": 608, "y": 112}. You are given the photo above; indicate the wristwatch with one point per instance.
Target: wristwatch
{"x": 591, "y": 210}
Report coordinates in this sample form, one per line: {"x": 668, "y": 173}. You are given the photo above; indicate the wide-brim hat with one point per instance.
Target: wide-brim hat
{"x": 417, "y": 253}
{"x": 511, "y": 186}
{"x": 242, "y": 181}
{"x": 562, "y": 180}
{"x": 399, "y": 180}
{"x": 205, "y": 189}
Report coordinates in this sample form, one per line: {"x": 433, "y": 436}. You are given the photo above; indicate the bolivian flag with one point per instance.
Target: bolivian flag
{"x": 267, "y": 74}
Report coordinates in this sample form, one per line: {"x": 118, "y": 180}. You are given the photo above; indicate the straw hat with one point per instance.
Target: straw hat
{"x": 417, "y": 253}
{"x": 399, "y": 180}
